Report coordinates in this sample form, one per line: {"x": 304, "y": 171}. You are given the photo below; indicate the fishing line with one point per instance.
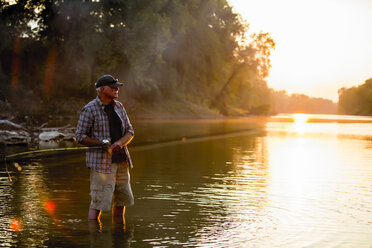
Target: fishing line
{"x": 6, "y": 169}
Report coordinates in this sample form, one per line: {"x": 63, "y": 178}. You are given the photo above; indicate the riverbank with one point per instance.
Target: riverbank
{"x": 67, "y": 112}
{"x": 171, "y": 110}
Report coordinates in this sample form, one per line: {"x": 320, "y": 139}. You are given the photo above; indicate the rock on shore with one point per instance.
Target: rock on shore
{"x": 15, "y": 134}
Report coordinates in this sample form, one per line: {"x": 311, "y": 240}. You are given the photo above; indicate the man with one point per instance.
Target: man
{"x": 104, "y": 121}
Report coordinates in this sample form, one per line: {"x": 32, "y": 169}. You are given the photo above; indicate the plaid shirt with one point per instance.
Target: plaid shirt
{"x": 94, "y": 123}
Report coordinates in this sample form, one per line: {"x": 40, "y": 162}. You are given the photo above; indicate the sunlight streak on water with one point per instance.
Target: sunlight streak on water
{"x": 322, "y": 180}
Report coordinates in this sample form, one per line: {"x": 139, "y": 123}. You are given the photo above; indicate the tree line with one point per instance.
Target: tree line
{"x": 52, "y": 52}
{"x": 300, "y": 103}
{"x": 356, "y": 100}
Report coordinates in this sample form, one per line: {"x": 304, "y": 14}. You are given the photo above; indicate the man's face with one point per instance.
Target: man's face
{"x": 112, "y": 93}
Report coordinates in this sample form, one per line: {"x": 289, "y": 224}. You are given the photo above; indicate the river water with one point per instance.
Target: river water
{"x": 285, "y": 181}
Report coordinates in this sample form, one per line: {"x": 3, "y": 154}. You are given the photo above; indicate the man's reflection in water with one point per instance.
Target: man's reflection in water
{"x": 115, "y": 235}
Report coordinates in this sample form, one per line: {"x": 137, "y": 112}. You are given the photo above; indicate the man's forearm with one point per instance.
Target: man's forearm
{"x": 123, "y": 141}
{"x": 126, "y": 139}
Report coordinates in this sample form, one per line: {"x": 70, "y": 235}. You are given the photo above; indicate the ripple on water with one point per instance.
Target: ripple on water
{"x": 237, "y": 209}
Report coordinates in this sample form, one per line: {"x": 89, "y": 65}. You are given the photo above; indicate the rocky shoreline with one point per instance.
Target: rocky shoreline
{"x": 15, "y": 134}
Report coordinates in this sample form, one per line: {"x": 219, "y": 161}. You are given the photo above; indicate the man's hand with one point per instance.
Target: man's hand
{"x": 116, "y": 147}
{"x": 123, "y": 141}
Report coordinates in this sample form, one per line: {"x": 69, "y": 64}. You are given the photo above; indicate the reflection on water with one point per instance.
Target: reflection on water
{"x": 306, "y": 181}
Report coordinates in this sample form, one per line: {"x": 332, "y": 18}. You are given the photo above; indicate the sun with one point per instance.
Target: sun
{"x": 300, "y": 118}
{"x": 300, "y": 121}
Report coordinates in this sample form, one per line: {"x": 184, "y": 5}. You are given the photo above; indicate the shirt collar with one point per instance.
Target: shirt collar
{"x": 100, "y": 103}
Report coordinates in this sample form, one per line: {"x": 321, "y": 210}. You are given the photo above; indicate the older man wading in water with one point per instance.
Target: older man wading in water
{"x": 102, "y": 122}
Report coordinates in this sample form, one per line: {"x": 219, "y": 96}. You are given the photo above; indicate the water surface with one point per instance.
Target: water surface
{"x": 287, "y": 181}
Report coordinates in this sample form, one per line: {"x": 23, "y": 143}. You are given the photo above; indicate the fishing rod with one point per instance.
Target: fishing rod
{"x": 105, "y": 145}
{"x": 28, "y": 153}
{"x": 23, "y": 154}
{"x": 138, "y": 146}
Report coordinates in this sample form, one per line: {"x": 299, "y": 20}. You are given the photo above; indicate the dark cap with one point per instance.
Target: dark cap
{"x": 107, "y": 80}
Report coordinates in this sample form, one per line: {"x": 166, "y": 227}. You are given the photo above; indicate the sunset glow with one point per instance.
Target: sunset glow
{"x": 321, "y": 46}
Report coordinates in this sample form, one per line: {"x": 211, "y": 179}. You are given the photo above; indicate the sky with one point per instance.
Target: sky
{"x": 321, "y": 45}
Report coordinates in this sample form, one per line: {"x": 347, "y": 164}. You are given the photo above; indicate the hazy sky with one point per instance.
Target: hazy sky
{"x": 321, "y": 45}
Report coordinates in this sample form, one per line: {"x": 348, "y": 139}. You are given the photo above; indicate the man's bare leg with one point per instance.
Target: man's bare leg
{"x": 118, "y": 215}
{"x": 118, "y": 210}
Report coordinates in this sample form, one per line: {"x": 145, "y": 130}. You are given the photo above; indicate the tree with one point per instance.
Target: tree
{"x": 356, "y": 100}
{"x": 179, "y": 49}
{"x": 251, "y": 66}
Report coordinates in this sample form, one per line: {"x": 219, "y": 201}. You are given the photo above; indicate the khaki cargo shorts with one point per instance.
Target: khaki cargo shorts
{"x": 105, "y": 188}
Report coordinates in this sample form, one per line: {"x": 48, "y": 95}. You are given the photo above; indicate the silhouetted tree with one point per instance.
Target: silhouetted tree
{"x": 356, "y": 100}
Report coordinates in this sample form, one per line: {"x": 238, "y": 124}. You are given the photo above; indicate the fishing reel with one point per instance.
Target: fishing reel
{"x": 105, "y": 144}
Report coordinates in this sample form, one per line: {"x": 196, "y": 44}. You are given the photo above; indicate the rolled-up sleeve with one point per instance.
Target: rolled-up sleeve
{"x": 127, "y": 124}
{"x": 84, "y": 126}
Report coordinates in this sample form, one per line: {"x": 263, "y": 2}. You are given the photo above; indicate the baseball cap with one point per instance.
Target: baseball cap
{"x": 108, "y": 80}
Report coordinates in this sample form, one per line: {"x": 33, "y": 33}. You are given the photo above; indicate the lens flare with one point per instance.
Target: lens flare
{"x": 17, "y": 166}
{"x": 49, "y": 72}
{"x": 49, "y": 206}
{"x": 15, "y": 225}
{"x": 16, "y": 62}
